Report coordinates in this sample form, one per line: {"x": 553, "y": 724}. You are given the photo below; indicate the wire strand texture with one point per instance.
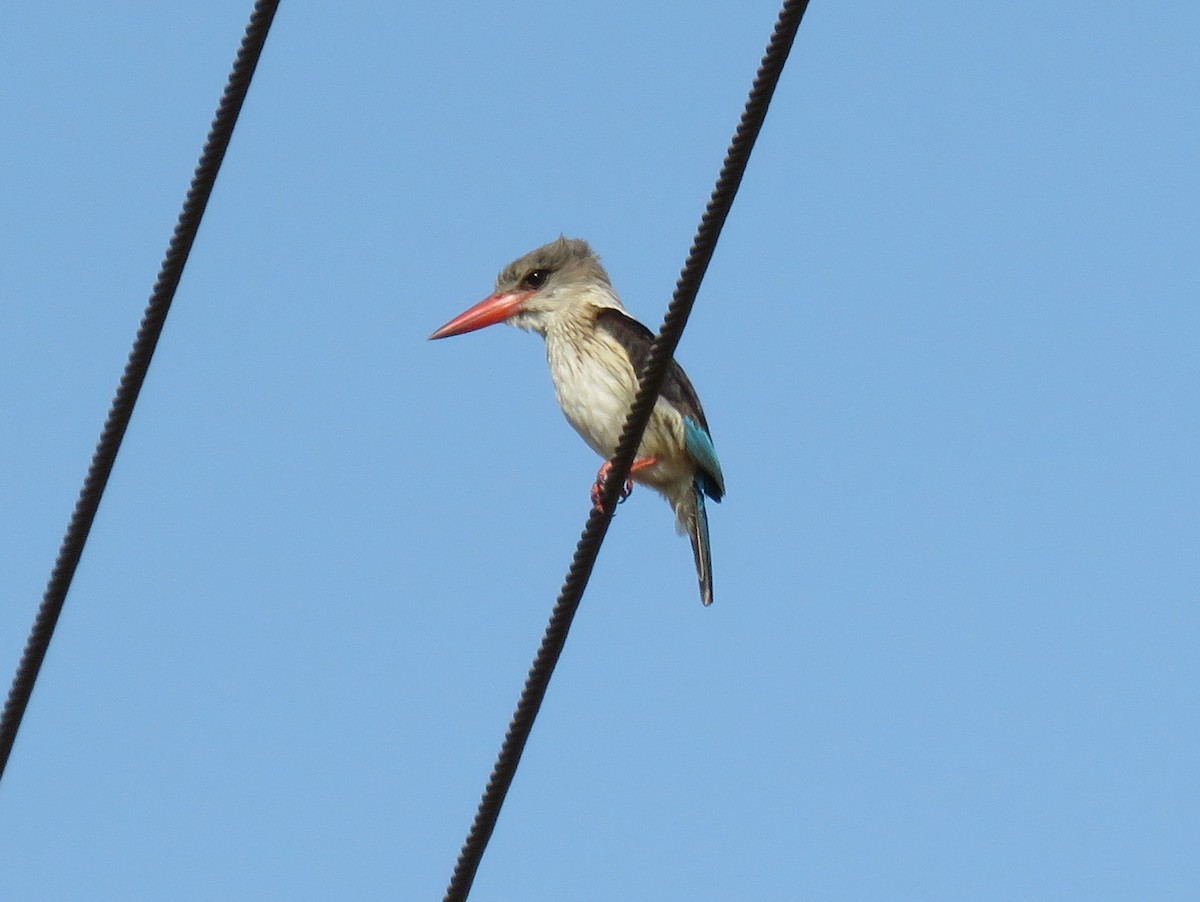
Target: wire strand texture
{"x": 134, "y": 375}
{"x": 650, "y": 385}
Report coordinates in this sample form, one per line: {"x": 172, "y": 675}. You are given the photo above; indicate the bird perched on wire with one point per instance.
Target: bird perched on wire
{"x": 596, "y": 351}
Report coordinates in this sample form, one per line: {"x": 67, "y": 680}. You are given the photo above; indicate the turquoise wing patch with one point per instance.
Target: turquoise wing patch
{"x": 699, "y": 445}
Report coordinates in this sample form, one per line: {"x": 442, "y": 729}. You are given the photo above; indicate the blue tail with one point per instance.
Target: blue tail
{"x": 698, "y": 530}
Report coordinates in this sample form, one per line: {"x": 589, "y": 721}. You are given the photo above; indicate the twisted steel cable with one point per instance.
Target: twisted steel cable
{"x": 650, "y": 385}
{"x": 134, "y": 375}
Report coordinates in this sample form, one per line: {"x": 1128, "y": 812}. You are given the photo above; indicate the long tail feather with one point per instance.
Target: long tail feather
{"x": 698, "y": 531}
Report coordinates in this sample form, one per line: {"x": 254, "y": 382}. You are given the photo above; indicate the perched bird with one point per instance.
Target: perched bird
{"x": 596, "y": 350}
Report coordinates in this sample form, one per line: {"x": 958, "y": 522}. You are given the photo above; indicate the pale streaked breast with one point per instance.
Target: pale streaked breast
{"x": 594, "y": 384}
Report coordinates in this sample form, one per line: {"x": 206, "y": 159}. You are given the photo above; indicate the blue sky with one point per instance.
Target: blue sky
{"x": 947, "y": 347}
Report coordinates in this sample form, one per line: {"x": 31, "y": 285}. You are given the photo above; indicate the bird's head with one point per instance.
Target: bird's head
{"x": 559, "y": 279}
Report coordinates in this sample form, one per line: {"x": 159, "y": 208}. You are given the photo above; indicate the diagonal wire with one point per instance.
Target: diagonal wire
{"x": 652, "y": 376}
{"x": 135, "y": 373}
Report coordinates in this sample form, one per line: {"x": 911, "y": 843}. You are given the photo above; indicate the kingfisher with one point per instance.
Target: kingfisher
{"x": 596, "y": 351}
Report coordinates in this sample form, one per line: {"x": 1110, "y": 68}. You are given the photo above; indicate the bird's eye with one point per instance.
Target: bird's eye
{"x": 536, "y": 279}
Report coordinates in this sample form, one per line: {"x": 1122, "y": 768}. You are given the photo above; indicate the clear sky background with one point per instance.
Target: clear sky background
{"x": 947, "y": 345}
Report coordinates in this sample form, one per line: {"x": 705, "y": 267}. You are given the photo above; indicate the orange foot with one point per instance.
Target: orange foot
{"x": 601, "y": 476}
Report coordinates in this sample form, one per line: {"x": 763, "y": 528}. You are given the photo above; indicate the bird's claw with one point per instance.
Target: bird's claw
{"x": 639, "y": 464}
{"x": 598, "y": 488}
